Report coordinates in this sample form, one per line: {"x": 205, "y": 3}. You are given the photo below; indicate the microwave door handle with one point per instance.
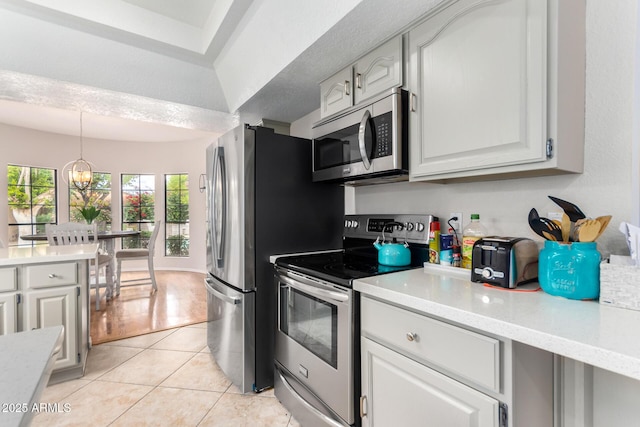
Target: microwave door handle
{"x": 361, "y": 139}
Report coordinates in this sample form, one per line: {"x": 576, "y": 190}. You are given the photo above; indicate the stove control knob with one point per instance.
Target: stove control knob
{"x": 355, "y": 223}
{"x": 419, "y": 227}
{"x": 347, "y": 223}
{"x": 409, "y": 226}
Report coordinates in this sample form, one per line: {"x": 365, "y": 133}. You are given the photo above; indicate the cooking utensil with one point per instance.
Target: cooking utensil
{"x": 535, "y": 224}
{"x": 589, "y": 230}
{"x": 566, "y": 227}
{"x": 569, "y": 208}
{"x": 604, "y": 221}
{"x": 544, "y": 227}
{"x": 552, "y": 228}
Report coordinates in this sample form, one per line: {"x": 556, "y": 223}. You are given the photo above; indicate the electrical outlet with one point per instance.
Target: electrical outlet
{"x": 457, "y": 225}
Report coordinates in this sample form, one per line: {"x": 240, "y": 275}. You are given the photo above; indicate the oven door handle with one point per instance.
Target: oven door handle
{"x": 314, "y": 290}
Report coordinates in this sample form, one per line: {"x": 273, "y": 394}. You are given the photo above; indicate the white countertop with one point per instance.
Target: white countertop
{"x": 46, "y": 253}
{"x": 602, "y": 336}
{"x": 27, "y": 360}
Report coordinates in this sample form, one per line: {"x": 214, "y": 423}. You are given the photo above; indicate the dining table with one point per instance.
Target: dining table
{"x": 108, "y": 237}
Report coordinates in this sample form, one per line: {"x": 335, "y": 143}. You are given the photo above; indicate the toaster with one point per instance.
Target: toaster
{"x": 504, "y": 261}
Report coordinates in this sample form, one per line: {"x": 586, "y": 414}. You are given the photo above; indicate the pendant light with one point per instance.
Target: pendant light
{"x": 80, "y": 170}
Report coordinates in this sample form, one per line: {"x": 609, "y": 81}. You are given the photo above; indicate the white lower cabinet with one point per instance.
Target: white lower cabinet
{"x": 419, "y": 370}
{"x": 8, "y": 313}
{"x": 54, "y": 307}
{"x": 400, "y": 391}
{"x": 40, "y": 295}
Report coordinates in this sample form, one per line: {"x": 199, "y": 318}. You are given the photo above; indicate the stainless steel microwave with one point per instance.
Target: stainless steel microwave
{"x": 365, "y": 144}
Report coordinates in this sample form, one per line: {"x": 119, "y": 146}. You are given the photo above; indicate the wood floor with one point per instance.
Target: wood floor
{"x": 181, "y": 300}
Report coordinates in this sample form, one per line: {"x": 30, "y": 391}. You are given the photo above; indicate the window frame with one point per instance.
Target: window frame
{"x": 35, "y": 227}
{"x": 169, "y": 239}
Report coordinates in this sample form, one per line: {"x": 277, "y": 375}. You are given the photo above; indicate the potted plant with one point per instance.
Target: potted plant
{"x": 89, "y": 213}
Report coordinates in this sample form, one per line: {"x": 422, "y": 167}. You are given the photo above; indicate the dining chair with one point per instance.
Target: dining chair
{"x": 73, "y": 233}
{"x": 137, "y": 254}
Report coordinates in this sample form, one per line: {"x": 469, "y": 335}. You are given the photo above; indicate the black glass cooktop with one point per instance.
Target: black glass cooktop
{"x": 340, "y": 267}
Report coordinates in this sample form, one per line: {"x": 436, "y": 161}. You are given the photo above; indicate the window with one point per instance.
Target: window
{"x": 32, "y": 201}
{"x": 138, "y": 198}
{"x": 98, "y": 196}
{"x": 177, "y": 215}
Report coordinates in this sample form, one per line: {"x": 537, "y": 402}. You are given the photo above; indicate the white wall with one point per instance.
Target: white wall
{"x": 34, "y": 148}
{"x": 608, "y": 180}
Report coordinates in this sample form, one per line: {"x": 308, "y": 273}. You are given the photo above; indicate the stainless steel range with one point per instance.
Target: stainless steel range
{"x": 317, "y": 352}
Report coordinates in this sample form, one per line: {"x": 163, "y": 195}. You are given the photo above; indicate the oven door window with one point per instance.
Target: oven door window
{"x": 311, "y": 322}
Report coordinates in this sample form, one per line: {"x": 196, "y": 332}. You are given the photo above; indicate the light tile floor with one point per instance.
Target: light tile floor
{"x": 166, "y": 378}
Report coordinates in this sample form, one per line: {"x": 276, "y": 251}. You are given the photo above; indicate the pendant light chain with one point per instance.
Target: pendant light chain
{"x": 81, "y": 173}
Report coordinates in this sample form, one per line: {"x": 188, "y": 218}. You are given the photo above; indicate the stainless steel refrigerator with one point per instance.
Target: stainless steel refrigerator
{"x": 260, "y": 202}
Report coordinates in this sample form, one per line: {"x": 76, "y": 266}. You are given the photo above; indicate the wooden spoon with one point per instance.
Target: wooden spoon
{"x": 566, "y": 227}
{"x": 604, "y": 221}
{"x": 589, "y": 231}
{"x": 549, "y": 236}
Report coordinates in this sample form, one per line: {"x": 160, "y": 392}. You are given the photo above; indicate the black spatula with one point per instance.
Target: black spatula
{"x": 573, "y": 212}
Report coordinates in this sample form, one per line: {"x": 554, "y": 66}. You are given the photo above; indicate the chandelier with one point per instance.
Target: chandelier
{"x": 79, "y": 171}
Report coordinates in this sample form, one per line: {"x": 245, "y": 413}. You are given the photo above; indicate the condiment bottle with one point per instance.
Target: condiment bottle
{"x": 434, "y": 241}
{"x": 473, "y": 232}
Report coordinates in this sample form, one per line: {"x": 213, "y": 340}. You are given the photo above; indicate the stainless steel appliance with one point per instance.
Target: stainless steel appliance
{"x": 365, "y": 144}
{"x": 317, "y": 339}
{"x": 260, "y": 201}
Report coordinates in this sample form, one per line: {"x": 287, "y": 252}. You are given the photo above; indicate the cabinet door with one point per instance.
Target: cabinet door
{"x": 8, "y": 313}
{"x": 336, "y": 93}
{"x": 379, "y": 70}
{"x": 402, "y": 392}
{"x": 478, "y": 82}
{"x": 53, "y": 307}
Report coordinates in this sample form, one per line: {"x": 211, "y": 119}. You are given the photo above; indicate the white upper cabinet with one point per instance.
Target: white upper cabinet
{"x": 336, "y": 93}
{"x": 380, "y": 69}
{"x": 484, "y": 77}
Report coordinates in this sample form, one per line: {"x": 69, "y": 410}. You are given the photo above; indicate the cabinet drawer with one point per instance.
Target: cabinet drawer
{"x": 50, "y": 275}
{"x": 8, "y": 280}
{"x": 464, "y": 353}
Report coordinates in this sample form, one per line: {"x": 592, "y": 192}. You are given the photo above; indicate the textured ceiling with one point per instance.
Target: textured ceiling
{"x": 182, "y": 40}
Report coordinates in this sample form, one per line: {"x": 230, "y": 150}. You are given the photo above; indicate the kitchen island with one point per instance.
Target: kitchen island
{"x": 46, "y": 286}
{"x": 27, "y": 359}
{"x": 585, "y": 333}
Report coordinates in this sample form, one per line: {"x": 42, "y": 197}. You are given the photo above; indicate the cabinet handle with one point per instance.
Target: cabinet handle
{"x": 52, "y": 276}
{"x": 363, "y": 406}
{"x": 411, "y": 336}
{"x": 347, "y": 86}
{"x": 358, "y": 80}
{"x": 412, "y": 102}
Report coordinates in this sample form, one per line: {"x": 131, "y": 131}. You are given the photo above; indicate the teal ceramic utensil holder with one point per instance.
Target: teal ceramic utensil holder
{"x": 570, "y": 270}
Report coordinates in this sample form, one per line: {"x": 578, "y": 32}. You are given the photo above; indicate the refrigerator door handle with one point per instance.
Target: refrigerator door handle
{"x": 220, "y": 295}
{"x": 219, "y": 241}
